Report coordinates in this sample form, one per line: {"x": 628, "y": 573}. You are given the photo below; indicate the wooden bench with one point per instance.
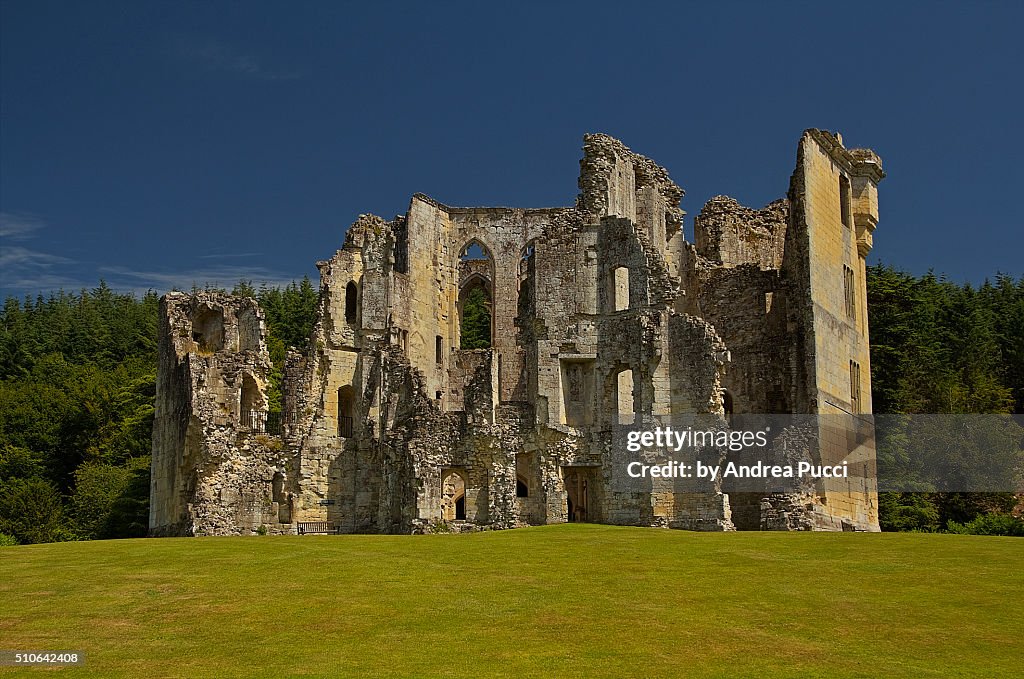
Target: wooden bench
{"x": 311, "y": 527}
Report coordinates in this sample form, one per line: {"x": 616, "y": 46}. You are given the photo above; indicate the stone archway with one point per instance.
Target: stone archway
{"x": 453, "y": 496}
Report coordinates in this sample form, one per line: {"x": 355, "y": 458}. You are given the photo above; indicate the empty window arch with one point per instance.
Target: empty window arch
{"x": 251, "y": 402}
{"x": 476, "y": 297}
{"x": 208, "y": 329}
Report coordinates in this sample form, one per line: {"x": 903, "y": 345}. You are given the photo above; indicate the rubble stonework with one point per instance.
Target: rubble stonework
{"x": 604, "y": 319}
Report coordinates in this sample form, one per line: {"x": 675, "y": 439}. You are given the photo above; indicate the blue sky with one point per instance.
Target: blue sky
{"x": 166, "y": 144}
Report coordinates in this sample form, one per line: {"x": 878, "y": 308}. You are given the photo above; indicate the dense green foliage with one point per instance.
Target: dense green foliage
{"x": 77, "y": 382}
{"x": 938, "y": 347}
{"x": 476, "y": 320}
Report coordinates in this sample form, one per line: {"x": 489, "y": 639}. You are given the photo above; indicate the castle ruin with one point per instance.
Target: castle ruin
{"x": 603, "y": 318}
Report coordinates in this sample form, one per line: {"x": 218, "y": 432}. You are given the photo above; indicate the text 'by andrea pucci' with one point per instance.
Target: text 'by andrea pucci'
{"x": 752, "y": 442}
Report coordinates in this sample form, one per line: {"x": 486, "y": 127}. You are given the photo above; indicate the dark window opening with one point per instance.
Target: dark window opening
{"x": 401, "y": 231}
{"x": 351, "y": 302}
{"x": 346, "y": 411}
{"x": 522, "y": 490}
{"x": 277, "y": 487}
{"x": 439, "y": 350}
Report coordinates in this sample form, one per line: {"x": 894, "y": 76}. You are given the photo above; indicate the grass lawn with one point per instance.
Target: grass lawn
{"x": 569, "y": 600}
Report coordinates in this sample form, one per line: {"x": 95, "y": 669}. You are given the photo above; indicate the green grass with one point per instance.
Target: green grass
{"x": 571, "y": 600}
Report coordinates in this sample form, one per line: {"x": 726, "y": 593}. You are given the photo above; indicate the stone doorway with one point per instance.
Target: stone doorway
{"x": 453, "y": 496}
{"x": 579, "y": 490}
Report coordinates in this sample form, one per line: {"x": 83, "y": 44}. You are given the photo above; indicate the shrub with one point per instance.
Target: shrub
{"x": 989, "y": 524}
{"x": 915, "y": 512}
{"x": 31, "y": 511}
{"x": 97, "y": 488}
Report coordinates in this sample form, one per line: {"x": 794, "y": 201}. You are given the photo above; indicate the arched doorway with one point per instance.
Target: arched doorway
{"x": 453, "y": 496}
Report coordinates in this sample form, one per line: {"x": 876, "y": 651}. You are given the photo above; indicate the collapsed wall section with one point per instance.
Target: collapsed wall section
{"x": 615, "y": 181}
{"x": 733, "y": 235}
{"x": 214, "y": 463}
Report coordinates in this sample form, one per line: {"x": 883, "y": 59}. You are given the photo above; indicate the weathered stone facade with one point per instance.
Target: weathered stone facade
{"x": 604, "y": 319}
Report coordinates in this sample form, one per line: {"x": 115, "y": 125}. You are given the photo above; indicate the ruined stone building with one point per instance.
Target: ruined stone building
{"x": 604, "y": 319}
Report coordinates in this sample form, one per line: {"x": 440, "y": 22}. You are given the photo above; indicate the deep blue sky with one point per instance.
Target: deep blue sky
{"x": 160, "y": 144}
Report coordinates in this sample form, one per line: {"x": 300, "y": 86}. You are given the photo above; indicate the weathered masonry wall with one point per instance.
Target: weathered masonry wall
{"x": 213, "y": 465}
{"x": 604, "y": 320}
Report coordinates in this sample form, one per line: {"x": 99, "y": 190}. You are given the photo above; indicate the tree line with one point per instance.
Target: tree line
{"x": 78, "y": 376}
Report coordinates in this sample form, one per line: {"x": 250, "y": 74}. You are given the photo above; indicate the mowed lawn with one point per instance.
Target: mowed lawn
{"x": 570, "y": 600}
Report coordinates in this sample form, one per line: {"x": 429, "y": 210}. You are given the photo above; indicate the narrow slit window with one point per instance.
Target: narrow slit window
{"x": 849, "y": 292}
{"x": 855, "y": 401}
{"x": 351, "y": 301}
{"x": 844, "y": 201}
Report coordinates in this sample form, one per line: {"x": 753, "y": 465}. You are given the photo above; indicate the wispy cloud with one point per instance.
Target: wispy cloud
{"x": 223, "y": 276}
{"x": 19, "y": 226}
{"x": 231, "y": 255}
{"x": 217, "y": 56}
{"x": 17, "y": 256}
{"x": 26, "y": 269}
